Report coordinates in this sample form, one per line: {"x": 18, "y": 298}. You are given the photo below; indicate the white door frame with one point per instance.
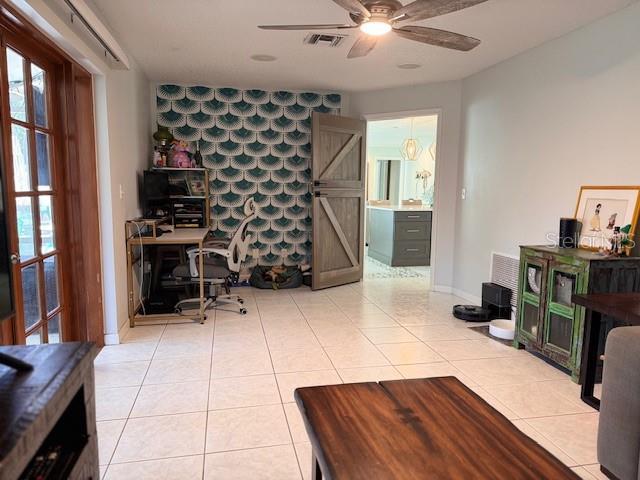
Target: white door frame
{"x": 374, "y": 117}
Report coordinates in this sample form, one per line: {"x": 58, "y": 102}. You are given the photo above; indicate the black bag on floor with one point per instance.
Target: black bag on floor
{"x": 290, "y": 278}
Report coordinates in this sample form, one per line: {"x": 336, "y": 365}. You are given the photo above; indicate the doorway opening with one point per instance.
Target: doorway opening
{"x": 400, "y": 193}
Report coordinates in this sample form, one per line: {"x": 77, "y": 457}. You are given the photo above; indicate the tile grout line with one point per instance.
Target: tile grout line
{"x": 284, "y": 413}
{"x": 209, "y": 394}
{"x": 133, "y": 404}
{"x": 322, "y": 347}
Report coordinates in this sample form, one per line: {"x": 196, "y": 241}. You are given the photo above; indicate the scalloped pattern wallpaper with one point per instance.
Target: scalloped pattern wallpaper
{"x": 255, "y": 144}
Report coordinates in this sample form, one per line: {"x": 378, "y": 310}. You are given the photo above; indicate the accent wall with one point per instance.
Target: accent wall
{"x": 256, "y": 144}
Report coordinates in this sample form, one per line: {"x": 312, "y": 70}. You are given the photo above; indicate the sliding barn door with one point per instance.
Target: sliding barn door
{"x": 338, "y": 173}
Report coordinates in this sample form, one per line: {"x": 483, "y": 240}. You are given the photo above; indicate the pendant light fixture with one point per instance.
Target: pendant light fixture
{"x": 411, "y": 147}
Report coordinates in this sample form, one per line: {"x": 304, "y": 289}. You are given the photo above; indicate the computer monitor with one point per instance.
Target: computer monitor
{"x": 155, "y": 194}
{"x": 156, "y": 185}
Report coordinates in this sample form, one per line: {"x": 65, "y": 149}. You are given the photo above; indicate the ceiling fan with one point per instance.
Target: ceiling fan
{"x": 375, "y": 18}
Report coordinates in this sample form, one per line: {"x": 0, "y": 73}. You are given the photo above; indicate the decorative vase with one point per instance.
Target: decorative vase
{"x": 197, "y": 157}
{"x": 163, "y": 136}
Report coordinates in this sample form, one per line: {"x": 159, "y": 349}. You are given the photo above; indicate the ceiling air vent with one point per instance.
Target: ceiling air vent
{"x": 324, "y": 39}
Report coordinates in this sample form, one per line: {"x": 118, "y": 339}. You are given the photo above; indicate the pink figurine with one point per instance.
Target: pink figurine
{"x": 180, "y": 155}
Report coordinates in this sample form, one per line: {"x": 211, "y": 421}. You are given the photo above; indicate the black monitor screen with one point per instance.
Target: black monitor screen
{"x": 156, "y": 185}
{"x": 6, "y": 293}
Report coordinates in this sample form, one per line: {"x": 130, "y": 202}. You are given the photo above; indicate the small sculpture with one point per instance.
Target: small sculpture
{"x": 595, "y": 220}
{"x": 180, "y": 155}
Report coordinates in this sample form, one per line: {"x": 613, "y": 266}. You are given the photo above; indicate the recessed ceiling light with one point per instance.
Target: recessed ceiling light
{"x": 263, "y": 58}
{"x": 409, "y": 66}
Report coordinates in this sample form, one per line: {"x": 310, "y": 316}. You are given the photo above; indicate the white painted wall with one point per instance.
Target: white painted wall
{"x": 130, "y": 154}
{"x": 445, "y": 97}
{"x": 538, "y": 126}
{"x": 123, "y": 132}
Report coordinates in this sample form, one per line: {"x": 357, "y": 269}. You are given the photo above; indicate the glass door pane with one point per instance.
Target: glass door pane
{"x": 35, "y": 338}
{"x": 26, "y": 234}
{"x": 560, "y": 331}
{"x": 31, "y": 296}
{"x": 47, "y": 237}
{"x": 44, "y": 162}
{"x": 17, "y": 96}
{"x": 530, "y": 317}
{"x": 563, "y": 287}
{"x": 54, "y": 330}
{"x": 533, "y": 281}
{"x": 39, "y": 95}
{"x": 21, "y": 163}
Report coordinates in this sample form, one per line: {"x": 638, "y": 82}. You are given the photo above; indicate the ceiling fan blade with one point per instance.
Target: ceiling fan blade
{"x": 439, "y": 38}
{"x": 363, "y": 46}
{"x": 423, "y": 9}
{"x": 329, "y": 26}
{"x": 354, "y": 6}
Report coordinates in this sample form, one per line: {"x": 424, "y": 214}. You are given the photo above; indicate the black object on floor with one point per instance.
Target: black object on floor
{"x": 471, "y": 313}
{"x": 497, "y": 299}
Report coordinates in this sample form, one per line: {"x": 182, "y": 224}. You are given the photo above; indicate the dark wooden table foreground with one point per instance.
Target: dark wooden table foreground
{"x": 434, "y": 428}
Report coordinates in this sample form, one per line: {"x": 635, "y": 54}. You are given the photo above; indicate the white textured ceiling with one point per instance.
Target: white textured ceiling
{"x": 211, "y": 41}
{"x": 391, "y": 133}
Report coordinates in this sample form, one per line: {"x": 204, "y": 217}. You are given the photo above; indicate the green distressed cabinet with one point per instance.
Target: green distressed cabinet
{"x": 548, "y": 323}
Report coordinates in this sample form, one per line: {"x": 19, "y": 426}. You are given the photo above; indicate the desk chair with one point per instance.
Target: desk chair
{"x": 221, "y": 266}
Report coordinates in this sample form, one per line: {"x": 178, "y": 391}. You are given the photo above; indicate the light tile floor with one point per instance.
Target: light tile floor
{"x": 215, "y": 401}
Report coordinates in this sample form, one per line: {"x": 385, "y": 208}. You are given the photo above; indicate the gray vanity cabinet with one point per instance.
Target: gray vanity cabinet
{"x": 400, "y": 237}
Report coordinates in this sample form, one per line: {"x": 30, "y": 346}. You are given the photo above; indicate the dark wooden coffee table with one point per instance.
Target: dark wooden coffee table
{"x": 433, "y": 428}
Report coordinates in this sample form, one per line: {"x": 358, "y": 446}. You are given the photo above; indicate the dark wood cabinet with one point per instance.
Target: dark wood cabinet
{"x": 47, "y": 415}
{"x": 548, "y": 322}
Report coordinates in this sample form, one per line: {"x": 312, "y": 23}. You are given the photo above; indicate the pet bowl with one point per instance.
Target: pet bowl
{"x": 504, "y": 329}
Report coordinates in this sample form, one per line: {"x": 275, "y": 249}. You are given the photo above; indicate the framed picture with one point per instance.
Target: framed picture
{"x": 602, "y": 209}
{"x": 197, "y": 187}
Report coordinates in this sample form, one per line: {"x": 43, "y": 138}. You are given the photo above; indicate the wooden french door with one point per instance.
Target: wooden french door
{"x": 338, "y": 173}
{"x": 31, "y": 146}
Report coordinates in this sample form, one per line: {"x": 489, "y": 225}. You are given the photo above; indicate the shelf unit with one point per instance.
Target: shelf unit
{"x": 185, "y": 178}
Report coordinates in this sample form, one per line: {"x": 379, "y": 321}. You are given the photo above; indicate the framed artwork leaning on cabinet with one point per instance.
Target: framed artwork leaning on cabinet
{"x": 602, "y": 209}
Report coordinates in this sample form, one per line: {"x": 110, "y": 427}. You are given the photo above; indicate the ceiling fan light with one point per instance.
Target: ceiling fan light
{"x": 375, "y": 27}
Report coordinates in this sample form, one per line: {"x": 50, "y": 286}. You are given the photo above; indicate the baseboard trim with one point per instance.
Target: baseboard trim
{"x": 467, "y": 296}
{"x": 442, "y": 289}
{"x": 112, "y": 339}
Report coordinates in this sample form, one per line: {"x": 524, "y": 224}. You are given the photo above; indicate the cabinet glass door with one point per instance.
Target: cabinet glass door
{"x": 559, "y": 323}
{"x": 532, "y": 301}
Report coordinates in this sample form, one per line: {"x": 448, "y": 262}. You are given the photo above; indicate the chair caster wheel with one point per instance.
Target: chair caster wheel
{"x": 243, "y": 311}
{"x": 179, "y": 310}
{"x": 241, "y": 301}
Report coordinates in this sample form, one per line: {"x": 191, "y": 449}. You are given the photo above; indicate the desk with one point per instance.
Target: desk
{"x": 433, "y": 428}
{"x": 624, "y": 307}
{"x": 180, "y": 236}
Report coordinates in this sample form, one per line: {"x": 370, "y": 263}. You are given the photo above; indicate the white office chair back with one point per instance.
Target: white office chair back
{"x": 239, "y": 246}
